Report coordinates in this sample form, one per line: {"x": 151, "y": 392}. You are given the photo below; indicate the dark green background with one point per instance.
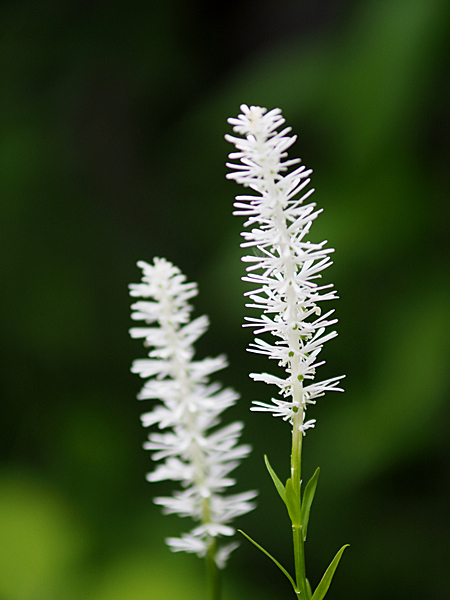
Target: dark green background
{"x": 111, "y": 150}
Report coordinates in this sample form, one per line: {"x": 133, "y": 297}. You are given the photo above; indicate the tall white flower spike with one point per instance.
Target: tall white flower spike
{"x": 191, "y": 450}
{"x": 285, "y": 266}
{"x": 284, "y": 270}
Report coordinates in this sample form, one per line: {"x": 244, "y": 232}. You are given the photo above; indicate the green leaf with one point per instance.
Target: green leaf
{"x": 293, "y": 503}
{"x": 323, "y": 586}
{"x": 276, "y": 480}
{"x": 308, "y": 497}
{"x": 282, "y": 569}
{"x": 308, "y": 590}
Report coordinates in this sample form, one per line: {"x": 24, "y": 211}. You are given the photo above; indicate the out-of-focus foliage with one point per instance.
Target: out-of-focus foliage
{"x": 111, "y": 150}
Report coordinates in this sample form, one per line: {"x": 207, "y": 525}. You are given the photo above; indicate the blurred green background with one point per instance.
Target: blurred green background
{"x": 111, "y": 150}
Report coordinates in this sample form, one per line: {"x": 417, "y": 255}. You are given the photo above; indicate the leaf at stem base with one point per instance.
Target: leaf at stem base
{"x": 308, "y": 497}
{"x": 324, "y": 584}
{"x": 280, "y": 566}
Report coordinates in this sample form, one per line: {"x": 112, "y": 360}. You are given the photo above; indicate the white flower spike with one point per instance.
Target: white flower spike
{"x": 285, "y": 266}
{"x": 192, "y": 451}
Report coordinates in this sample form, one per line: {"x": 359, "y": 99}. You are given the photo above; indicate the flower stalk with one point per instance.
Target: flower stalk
{"x": 284, "y": 269}
{"x": 190, "y": 446}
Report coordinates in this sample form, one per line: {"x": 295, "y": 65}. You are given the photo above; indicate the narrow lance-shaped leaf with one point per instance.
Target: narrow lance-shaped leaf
{"x": 279, "y": 565}
{"x": 308, "y": 497}
{"x": 325, "y": 582}
{"x": 308, "y": 589}
{"x": 276, "y": 480}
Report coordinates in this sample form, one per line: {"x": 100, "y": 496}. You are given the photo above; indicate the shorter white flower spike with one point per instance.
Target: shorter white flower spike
{"x": 192, "y": 450}
{"x": 285, "y": 267}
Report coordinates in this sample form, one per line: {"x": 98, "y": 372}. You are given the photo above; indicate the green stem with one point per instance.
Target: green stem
{"x": 296, "y": 455}
{"x": 212, "y": 572}
{"x": 297, "y": 529}
{"x": 299, "y": 558}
